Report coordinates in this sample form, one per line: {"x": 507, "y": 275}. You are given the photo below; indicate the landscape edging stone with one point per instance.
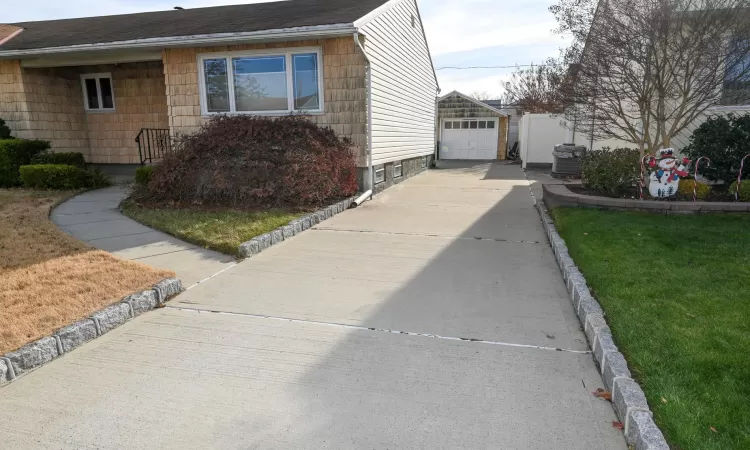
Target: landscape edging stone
{"x": 556, "y": 195}
{"x": 628, "y": 399}
{"x": 291, "y": 229}
{"x": 66, "y": 339}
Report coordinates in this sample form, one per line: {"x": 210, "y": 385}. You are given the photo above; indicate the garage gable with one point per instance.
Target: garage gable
{"x": 457, "y": 105}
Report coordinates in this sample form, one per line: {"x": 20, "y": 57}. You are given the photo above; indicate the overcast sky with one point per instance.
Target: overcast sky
{"x": 460, "y": 32}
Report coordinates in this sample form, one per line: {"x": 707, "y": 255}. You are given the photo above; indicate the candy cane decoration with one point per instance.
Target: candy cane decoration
{"x": 642, "y": 182}
{"x": 695, "y": 177}
{"x": 739, "y": 179}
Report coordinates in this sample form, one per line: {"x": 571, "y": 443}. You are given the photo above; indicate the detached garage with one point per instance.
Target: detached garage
{"x": 470, "y": 129}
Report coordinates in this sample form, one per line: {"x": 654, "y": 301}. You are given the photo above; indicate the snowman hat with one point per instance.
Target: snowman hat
{"x": 665, "y": 153}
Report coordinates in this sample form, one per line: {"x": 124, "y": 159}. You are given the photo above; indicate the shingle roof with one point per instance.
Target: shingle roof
{"x": 494, "y": 103}
{"x": 187, "y": 22}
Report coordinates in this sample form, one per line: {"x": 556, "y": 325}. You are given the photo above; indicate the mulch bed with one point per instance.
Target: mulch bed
{"x": 718, "y": 194}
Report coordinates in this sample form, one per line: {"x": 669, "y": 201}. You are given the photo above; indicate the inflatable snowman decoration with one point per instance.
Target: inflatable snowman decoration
{"x": 665, "y": 180}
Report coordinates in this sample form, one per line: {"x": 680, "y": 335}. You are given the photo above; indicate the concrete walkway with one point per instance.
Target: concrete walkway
{"x": 93, "y": 217}
{"x": 360, "y": 333}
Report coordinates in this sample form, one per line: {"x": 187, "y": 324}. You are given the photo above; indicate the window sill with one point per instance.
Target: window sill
{"x": 264, "y": 114}
{"x": 100, "y": 111}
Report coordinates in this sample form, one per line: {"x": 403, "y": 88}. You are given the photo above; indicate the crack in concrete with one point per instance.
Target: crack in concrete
{"x": 158, "y": 254}
{"x": 382, "y": 330}
{"x": 120, "y": 235}
{"x": 210, "y": 277}
{"x": 443, "y": 236}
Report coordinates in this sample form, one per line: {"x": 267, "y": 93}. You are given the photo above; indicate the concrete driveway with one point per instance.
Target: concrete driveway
{"x": 431, "y": 317}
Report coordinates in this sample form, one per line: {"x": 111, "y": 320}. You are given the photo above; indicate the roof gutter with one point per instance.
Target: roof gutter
{"x": 317, "y": 31}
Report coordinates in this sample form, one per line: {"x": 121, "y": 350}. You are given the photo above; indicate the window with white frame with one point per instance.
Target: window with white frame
{"x": 264, "y": 83}
{"x": 98, "y": 92}
{"x": 398, "y": 169}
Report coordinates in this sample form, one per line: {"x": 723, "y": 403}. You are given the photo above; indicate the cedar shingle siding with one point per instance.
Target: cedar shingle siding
{"x": 48, "y": 104}
{"x": 345, "y": 91}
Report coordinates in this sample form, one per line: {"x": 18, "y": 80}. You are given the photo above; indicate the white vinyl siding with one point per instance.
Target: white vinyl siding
{"x": 403, "y": 85}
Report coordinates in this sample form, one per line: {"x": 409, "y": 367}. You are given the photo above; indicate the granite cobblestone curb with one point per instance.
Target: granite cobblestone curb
{"x": 66, "y": 339}
{"x": 556, "y": 195}
{"x": 293, "y": 228}
{"x": 628, "y": 399}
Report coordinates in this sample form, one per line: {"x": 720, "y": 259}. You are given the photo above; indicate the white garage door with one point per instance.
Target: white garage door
{"x": 469, "y": 139}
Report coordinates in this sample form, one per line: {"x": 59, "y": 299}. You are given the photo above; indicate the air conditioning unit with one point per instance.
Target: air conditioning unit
{"x": 566, "y": 160}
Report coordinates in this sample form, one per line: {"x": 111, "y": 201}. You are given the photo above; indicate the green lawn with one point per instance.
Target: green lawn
{"x": 223, "y": 231}
{"x": 676, "y": 291}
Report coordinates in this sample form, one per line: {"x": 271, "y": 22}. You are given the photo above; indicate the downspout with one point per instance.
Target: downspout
{"x": 369, "y": 184}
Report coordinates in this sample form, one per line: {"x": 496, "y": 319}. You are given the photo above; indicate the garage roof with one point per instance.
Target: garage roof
{"x": 473, "y": 100}
{"x": 189, "y": 22}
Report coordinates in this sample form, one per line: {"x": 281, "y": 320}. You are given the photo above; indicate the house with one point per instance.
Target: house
{"x": 691, "y": 63}
{"x": 470, "y": 129}
{"x": 93, "y": 85}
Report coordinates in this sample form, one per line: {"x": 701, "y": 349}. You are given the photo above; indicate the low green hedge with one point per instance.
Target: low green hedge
{"x": 15, "y": 153}
{"x": 67, "y": 158}
{"x": 685, "y": 189}
{"x": 610, "y": 171}
{"x": 744, "y": 194}
{"x": 143, "y": 174}
{"x": 60, "y": 177}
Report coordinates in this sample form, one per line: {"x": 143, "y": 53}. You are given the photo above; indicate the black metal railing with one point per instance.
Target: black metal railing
{"x": 153, "y": 144}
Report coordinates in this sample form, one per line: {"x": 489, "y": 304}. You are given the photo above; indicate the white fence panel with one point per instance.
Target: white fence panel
{"x": 537, "y": 135}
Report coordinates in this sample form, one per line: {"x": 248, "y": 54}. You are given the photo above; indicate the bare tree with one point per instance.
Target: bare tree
{"x": 537, "y": 89}
{"x": 645, "y": 70}
{"x": 483, "y": 95}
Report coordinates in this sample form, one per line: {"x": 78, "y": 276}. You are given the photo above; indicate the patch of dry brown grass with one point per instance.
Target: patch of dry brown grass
{"x": 26, "y": 234}
{"x": 49, "y": 279}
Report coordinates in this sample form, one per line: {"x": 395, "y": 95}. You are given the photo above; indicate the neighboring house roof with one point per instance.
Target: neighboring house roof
{"x": 278, "y": 15}
{"x": 494, "y": 103}
{"x": 473, "y": 100}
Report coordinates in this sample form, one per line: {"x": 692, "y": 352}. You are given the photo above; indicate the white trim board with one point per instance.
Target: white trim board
{"x": 91, "y": 59}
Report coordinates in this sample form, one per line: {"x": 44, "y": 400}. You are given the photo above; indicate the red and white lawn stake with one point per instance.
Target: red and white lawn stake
{"x": 695, "y": 177}
{"x": 642, "y": 182}
{"x": 739, "y": 178}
